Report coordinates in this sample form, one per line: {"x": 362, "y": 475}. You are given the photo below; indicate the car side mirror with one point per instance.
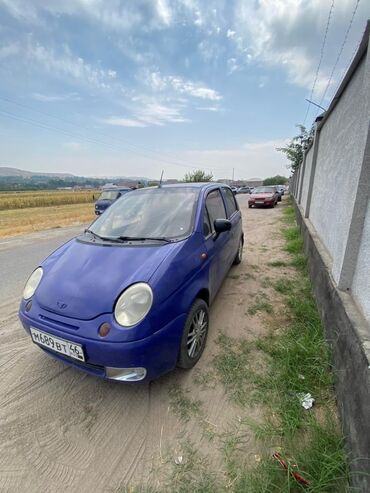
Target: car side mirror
{"x": 222, "y": 225}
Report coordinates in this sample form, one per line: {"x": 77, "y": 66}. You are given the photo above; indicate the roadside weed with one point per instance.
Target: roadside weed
{"x": 277, "y": 263}
{"x": 283, "y": 286}
{"x": 260, "y": 306}
{"x": 182, "y": 405}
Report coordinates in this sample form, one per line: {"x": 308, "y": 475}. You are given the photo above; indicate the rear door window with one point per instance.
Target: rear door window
{"x": 230, "y": 202}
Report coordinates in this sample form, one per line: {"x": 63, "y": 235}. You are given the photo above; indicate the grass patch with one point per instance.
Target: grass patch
{"x": 293, "y": 240}
{"x": 182, "y": 405}
{"x": 277, "y": 263}
{"x": 239, "y": 366}
{"x": 283, "y": 285}
{"x": 296, "y": 359}
{"x": 193, "y": 475}
{"x": 261, "y": 306}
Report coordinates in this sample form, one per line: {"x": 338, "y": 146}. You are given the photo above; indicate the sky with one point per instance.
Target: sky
{"x": 133, "y": 87}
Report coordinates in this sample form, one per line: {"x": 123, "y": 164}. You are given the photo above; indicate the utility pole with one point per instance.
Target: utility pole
{"x": 233, "y": 176}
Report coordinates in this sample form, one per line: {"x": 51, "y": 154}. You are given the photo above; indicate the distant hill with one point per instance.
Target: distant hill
{"x": 7, "y": 171}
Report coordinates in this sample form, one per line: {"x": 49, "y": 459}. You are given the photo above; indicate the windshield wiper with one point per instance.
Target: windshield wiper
{"x": 143, "y": 238}
{"x": 96, "y": 235}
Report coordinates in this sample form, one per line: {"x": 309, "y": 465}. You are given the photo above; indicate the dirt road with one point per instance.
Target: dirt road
{"x": 62, "y": 430}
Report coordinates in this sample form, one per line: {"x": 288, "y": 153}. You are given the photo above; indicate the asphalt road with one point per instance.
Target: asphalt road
{"x": 63, "y": 430}
{"x": 19, "y": 256}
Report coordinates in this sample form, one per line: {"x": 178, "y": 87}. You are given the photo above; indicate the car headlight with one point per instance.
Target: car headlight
{"x": 32, "y": 283}
{"x": 133, "y": 304}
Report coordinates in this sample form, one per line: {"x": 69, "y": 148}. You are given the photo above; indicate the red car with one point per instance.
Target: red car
{"x": 264, "y": 196}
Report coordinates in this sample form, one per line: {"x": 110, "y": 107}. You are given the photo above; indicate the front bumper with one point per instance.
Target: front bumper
{"x": 157, "y": 353}
{"x": 264, "y": 203}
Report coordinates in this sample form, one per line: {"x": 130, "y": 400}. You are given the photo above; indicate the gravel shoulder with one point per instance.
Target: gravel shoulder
{"x": 63, "y": 430}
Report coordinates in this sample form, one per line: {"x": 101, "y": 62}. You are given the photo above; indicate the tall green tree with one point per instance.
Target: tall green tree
{"x": 275, "y": 180}
{"x": 295, "y": 149}
{"x": 198, "y": 176}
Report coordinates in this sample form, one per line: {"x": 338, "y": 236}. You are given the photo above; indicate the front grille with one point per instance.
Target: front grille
{"x": 57, "y": 323}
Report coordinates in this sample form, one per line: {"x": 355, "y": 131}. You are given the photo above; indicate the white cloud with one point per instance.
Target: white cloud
{"x": 111, "y": 15}
{"x": 158, "y": 82}
{"x": 230, "y": 33}
{"x": 123, "y": 122}
{"x": 159, "y": 114}
{"x": 232, "y": 65}
{"x": 70, "y": 66}
{"x": 164, "y": 11}
{"x": 150, "y": 112}
{"x": 208, "y": 108}
{"x": 289, "y": 34}
{"x": 50, "y": 98}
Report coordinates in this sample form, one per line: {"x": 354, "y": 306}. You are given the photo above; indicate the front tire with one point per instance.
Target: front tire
{"x": 194, "y": 336}
{"x": 239, "y": 256}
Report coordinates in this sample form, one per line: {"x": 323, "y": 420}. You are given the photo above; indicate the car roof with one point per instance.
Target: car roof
{"x": 202, "y": 185}
{"x": 196, "y": 185}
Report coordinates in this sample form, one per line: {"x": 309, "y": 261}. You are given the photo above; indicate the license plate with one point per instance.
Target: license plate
{"x": 260, "y": 201}
{"x": 57, "y": 344}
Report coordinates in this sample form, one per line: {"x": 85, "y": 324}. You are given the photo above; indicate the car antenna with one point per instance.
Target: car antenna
{"x": 160, "y": 181}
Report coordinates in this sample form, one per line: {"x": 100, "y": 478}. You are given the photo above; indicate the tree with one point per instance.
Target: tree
{"x": 197, "y": 176}
{"x": 275, "y": 180}
{"x": 294, "y": 150}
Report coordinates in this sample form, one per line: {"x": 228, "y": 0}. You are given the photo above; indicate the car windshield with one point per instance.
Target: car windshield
{"x": 152, "y": 213}
{"x": 109, "y": 195}
{"x": 264, "y": 190}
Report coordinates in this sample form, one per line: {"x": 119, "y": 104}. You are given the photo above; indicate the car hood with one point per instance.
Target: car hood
{"x": 83, "y": 280}
{"x": 261, "y": 195}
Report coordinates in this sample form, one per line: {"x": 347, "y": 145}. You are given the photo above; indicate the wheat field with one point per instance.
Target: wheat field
{"x": 25, "y": 212}
{"x": 48, "y": 198}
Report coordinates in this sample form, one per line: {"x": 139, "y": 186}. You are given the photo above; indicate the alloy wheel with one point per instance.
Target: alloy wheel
{"x": 197, "y": 333}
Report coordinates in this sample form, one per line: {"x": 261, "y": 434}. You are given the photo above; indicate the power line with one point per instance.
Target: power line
{"x": 321, "y": 57}
{"x": 139, "y": 151}
{"x": 340, "y": 51}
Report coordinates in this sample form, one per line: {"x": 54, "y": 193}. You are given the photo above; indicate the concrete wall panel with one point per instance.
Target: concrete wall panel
{"x": 306, "y": 178}
{"x": 340, "y": 154}
{"x": 361, "y": 280}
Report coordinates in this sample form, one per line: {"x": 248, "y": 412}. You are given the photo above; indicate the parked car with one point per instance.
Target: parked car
{"x": 128, "y": 299}
{"x": 244, "y": 190}
{"x": 280, "y": 193}
{"x": 264, "y": 196}
{"x": 107, "y": 197}
{"x": 234, "y": 190}
{"x": 281, "y": 189}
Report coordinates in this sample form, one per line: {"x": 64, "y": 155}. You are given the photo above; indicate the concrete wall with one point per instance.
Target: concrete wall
{"x": 306, "y": 179}
{"x": 332, "y": 198}
{"x": 340, "y": 154}
{"x": 361, "y": 279}
{"x": 332, "y": 184}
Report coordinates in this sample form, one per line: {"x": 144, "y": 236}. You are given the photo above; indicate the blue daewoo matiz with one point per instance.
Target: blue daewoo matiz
{"x": 128, "y": 299}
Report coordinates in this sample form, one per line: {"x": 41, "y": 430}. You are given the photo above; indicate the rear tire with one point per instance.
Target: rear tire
{"x": 194, "y": 335}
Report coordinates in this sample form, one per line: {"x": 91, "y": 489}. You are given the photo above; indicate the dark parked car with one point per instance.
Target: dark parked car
{"x": 128, "y": 299}
{"x": 107, "y": 197}
{"x": 264, "y": 196}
